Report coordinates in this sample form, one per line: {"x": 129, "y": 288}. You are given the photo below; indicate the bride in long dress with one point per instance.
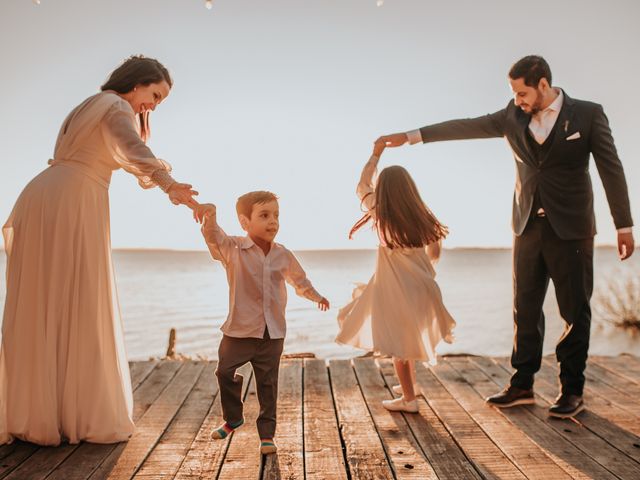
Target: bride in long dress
{"x": 63, "y": 369}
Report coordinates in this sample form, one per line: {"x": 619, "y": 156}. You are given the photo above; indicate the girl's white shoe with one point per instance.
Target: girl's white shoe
{"x": 397, "y": 389}
{"x": 401, "y": 405}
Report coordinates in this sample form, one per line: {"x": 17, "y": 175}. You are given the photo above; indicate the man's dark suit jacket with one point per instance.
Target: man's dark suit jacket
{"x": 562, "y": 175}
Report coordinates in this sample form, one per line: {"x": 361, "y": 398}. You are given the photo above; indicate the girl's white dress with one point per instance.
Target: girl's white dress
{"x": 400, "y": 311}
{"x": 63, "y": 368}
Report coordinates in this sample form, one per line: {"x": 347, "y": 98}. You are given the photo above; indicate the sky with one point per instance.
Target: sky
{"x": 289, "y": 95}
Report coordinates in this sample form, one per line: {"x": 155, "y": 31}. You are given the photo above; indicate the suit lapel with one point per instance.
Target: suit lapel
{"x": 564, "y": 124}
{"x": 523, "y": 120}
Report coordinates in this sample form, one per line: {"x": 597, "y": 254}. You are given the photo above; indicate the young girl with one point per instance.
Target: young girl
{"x": 400, "y": 311}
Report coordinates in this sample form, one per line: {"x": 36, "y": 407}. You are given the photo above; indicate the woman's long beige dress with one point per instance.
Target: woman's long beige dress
{"x": 63, "y": 367}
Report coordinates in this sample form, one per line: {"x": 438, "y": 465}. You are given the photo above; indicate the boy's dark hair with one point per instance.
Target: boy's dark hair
{"x": 532, "y": 69}
{"x": 245, "y": 203}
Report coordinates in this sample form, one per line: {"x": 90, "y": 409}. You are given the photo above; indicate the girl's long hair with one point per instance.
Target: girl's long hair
{"x": 401, "y": 217}
{"x": 138, "y": 70}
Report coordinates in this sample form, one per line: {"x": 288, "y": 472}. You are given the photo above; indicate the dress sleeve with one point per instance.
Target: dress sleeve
{"x": 365, "y": 190}
{"x": 121, "y": 134}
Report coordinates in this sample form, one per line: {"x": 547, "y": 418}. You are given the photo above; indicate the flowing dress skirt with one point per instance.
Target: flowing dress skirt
{"x": 400, "y": 311}
{"x": 63, "y": 368}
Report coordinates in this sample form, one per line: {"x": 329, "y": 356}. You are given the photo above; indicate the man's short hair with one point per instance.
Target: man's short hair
{"x": 532, "y": 69}
{"x": 245, "y": 203}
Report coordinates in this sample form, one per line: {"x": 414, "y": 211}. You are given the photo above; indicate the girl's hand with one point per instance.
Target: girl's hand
{"x": 203, "y": 211}
{"x": 378, "y": 147}
{"x": 393, "y": 140}
{"x": 323, "y": 304}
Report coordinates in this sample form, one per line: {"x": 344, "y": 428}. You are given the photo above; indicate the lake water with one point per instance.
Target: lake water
{"x": 188, "y": 291}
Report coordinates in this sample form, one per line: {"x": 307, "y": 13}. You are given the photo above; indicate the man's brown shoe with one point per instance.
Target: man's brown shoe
{"x": 566, "y": 406}
{"x": 510, "y": 397}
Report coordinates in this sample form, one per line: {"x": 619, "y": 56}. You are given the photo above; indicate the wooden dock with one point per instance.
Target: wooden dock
{"x": 331, "y": 425}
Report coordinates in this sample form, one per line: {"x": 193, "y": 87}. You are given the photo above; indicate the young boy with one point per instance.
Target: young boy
{"x": 257, "y": 268}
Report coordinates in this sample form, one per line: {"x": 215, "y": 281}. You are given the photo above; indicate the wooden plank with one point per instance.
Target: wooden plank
{"x": 404, "y": 453}
{"x": 322, "y": 448}
{"x": 14, "y": 455}
{"x": 205, "y": 456}
{"x": 365, "y": 455}
{"x": 596, "y": 404}
{"x": 518, "y": 447}
{"x": 598, "y": 387}
{"x": 625, "y": 365}
{"x": 166, "y": 457}
{"x": 583, "y": 438}
{"x": 243, "y": 459}
{"x": 485, "y": 376}
{"x": 123, "y": 465}
{"x": 41, "y": 463}
{"x": 46, "y": 459}
{"x": 289, "y": 461}
{"x": 440, "y": 448}
{"x": 86, "y": 457}
{"x": 140, "y": 371}
{"x": 623, "y": 385}
{"x": 618, "y": 427}
{"x": 486, "y": 457}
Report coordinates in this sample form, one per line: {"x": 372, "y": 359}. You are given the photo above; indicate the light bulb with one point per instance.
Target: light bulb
{"x": 36, "y": 2}
{"x": 379, "y": 3}
{"x": 208, "y": 4}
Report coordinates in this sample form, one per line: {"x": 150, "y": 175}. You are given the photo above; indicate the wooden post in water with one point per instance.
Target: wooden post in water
{"x": 171, "y": 348}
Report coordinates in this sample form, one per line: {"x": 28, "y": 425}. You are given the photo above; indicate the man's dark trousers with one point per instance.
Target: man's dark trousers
{"x": 539, "y": 255}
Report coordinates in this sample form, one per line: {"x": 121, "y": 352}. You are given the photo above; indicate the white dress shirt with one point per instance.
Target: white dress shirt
{"x": 542, "y": 123}
{"x": 257, "y": 290}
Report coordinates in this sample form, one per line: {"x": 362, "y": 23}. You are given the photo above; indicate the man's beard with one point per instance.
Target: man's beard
{"x": 537, "y": 105}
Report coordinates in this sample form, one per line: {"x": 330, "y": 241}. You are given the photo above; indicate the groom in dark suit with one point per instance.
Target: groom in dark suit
{"x": 551, "y": 136}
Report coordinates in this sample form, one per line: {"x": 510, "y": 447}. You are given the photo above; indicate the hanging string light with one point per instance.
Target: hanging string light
{"x": 379, "y": 3}
{"x": 36, "y": 2}
{"x": 208, "y": 4}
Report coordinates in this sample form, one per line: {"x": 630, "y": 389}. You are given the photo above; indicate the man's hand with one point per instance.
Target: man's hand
{"x": 203, "y": 211}
{"x": 323, "y": 304}
{"x": 393, "y": 140}
{"x": 625, "y": 245}
{"x": 182, "y": 193}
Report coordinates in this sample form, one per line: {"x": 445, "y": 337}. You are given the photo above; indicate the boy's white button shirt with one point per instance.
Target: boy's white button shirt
{"x": 257, "y": 290}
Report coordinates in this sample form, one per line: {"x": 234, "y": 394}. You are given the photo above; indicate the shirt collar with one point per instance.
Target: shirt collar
{"x": 248, "y": 243}
{"x": 556, "y": 105}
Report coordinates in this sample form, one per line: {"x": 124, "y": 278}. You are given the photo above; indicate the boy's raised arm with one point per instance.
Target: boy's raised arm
{"x": 219, "y": 244}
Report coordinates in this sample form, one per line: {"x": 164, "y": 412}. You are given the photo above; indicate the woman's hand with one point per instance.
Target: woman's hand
{"x": 182, "y": 193}
{"x": 323, "y": 304}
{"x": 203, "y": 211}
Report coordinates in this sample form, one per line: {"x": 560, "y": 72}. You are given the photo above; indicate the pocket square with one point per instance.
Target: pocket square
{"x": 574, "y": 136}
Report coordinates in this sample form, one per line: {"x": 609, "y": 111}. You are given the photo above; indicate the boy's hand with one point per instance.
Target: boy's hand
{"x": 323, "y": 304}
{"x": 203, "y": 211}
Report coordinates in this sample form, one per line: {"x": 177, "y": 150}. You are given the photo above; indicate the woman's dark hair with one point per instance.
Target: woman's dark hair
{"x": 137, "y": 70}
{"x": 532, "y": 69}
{"x": 401, "y": 217}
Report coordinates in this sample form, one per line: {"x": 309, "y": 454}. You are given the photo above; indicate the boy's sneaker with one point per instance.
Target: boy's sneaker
{"x": 226, "y": 429}
{"x": 267, "y": 446}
